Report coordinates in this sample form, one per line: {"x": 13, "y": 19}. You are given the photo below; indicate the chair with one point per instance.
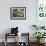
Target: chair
{"x": 26, "y": 37}
{"x": 14, "y": 32}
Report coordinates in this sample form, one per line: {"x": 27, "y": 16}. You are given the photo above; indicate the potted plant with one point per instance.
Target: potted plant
{"x": 38, "y": 27}
{"x": 42, "y": 27}
{"x": 39, "y": 35}
{"x": 35, "y": 26}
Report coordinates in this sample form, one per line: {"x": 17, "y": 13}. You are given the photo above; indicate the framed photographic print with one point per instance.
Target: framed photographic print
{"x": 18, "y": 13}
{"x": 41, "y": 12}
{"x": 41, "y": 8}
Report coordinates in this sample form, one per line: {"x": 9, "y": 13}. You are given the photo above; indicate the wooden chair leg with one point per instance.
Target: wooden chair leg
{"x": 5, "y": 39}
{"x": 17, "y": 39}
{"x": 5, "y": 43}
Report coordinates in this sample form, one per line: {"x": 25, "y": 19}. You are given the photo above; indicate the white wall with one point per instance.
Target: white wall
{"x": 5, "y": 21}
{"x": 24, "y": 25}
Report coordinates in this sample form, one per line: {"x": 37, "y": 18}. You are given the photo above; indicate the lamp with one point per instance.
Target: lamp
{"x": 14, "y": 30}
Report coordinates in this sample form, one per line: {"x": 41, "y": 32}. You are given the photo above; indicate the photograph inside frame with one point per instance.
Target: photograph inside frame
{"x": 18, "y": 13}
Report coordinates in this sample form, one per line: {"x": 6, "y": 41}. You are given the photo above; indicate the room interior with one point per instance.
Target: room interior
{"x": 22, "y": 22}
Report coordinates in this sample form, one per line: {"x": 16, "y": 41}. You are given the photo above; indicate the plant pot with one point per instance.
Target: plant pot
{"x": 40, "y": 41}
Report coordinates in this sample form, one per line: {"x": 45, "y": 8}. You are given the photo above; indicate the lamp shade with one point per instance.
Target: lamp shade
{"x": 14, "y": 30}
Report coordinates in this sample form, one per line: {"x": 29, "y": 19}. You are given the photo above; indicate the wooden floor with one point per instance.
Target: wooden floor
{"x": 13, "y": 44}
